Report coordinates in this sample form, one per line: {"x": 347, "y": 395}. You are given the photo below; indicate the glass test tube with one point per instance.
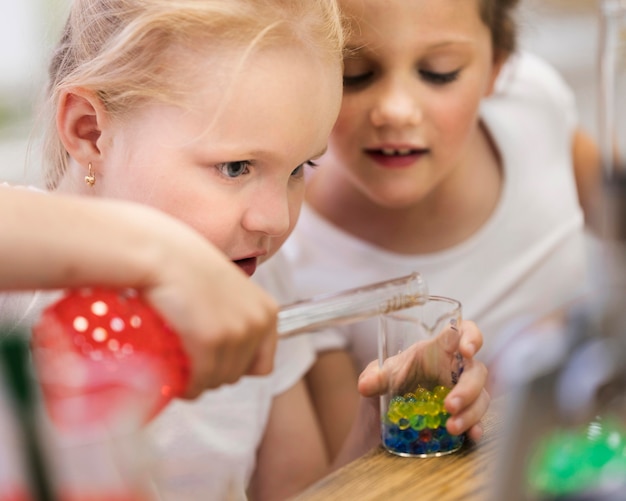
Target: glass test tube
{"x": 352, "y": 305}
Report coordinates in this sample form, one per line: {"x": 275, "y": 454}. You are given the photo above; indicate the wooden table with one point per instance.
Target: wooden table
{"x": 464, "y": 475}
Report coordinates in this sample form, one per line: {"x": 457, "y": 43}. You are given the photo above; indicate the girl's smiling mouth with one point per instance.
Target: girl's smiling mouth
{"x": 395, "y": 157}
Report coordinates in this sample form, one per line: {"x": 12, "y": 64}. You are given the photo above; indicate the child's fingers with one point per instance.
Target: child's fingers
{"x": 468, "y": 419}
{"x": 475, "y": 433}
{"x": 371, "y": 381}
{"x": 471, "y": 339}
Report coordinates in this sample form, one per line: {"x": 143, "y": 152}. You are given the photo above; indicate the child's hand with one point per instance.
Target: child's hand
{"x": 228, "y": 326}
{"x": 226, "y": 322}
{"x": 468, "y": 401}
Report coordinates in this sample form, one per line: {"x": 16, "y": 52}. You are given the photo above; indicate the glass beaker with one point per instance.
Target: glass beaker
{"x": 420, "y": 361}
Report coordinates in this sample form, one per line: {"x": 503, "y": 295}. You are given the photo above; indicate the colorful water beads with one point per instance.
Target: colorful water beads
{"x": 574, "y": 461}
{"x": 415, "y": 424}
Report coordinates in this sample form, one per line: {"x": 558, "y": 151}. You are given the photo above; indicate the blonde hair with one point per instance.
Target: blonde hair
{"x": 129, "y": 51}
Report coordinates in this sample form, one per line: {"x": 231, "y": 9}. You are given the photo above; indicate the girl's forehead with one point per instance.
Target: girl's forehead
{"x": 276, "y": 93}
{"x": 218, "y": 69}
{"x": 374, "y": 24}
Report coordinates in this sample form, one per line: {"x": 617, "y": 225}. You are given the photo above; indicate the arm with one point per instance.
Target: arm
{"x": 226, "y": 322}
{"x": 587, "y": 170}
{"x": 292, "y": 454}
{"x": 332, "y": 383}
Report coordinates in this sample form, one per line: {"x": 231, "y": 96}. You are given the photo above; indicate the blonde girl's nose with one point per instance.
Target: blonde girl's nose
{"x": 269, "y": 215}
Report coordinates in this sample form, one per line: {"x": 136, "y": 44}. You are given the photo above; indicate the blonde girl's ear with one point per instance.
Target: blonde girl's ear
{"x": 79, "y": 120}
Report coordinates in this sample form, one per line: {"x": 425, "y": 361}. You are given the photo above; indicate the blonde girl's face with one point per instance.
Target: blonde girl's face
{"x": 413, "y": 81}
{"x": 231, "y": 163}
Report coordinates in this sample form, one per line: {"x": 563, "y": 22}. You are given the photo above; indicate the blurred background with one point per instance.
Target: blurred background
{"x": 563, "y": 31}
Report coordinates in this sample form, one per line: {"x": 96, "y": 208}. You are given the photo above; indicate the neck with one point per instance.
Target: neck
{"x": 445, "y": 217}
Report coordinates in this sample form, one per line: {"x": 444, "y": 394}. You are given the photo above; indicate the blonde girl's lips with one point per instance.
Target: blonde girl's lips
{"x": 248, "y": 265}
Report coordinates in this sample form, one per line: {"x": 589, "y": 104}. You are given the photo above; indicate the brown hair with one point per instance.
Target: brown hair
{"x": 498, "y": 16}
{"x": 131, "y": 51}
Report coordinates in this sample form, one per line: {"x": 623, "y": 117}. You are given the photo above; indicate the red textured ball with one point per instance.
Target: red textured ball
{"x": 103, "y": 355}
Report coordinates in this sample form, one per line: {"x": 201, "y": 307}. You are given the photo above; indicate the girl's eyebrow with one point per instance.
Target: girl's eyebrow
{"x": 259, "y": 153}
{"x": 448, "y": 43}
{"x": 357, "y": 49}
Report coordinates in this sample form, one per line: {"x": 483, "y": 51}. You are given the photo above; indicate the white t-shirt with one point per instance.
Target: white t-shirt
{"x": 528, "y": 258}
{"x": 206, "y": 448}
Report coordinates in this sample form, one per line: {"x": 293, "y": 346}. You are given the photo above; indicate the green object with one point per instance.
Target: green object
{"x": 573, "y": 461}
{"x": 16, "y": 368}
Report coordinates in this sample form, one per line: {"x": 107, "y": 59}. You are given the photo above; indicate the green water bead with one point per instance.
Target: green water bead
{"x": 573, "y": 460}
{"x": 418, "y": 422}
{"x": 433, "y": 421}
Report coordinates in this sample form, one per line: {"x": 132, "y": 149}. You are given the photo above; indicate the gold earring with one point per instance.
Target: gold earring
{"x": 90, "y": 178}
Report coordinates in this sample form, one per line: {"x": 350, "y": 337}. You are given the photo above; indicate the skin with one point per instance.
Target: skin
{"x": 238, "y": 181}
{"x": 417, "y": 91}
{"x": 414, "y": 82}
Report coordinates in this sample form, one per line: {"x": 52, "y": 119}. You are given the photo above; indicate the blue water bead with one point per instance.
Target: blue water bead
{"x": 391, "y": 433}
{"x": 394, "y": 444}
{"x": 392, "y": 436}
{"x": 417, "y": 448}
{"x": 440, "y": 433}
{"x": 446, "y": 443}
{"x": 433, "y": 446}
{"x": 457, "y": 440}
{"x": 404, "y": 423}
{"x": 410, "y": 435}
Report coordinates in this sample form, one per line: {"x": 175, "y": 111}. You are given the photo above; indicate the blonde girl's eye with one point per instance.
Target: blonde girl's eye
{"x": 234, "y": 169}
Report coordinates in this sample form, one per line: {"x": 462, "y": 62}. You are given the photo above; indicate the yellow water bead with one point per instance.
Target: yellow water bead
{"x": 440, "y": 392}
{"x": 422, "y": 394}
{"x": 432, "y": 408}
